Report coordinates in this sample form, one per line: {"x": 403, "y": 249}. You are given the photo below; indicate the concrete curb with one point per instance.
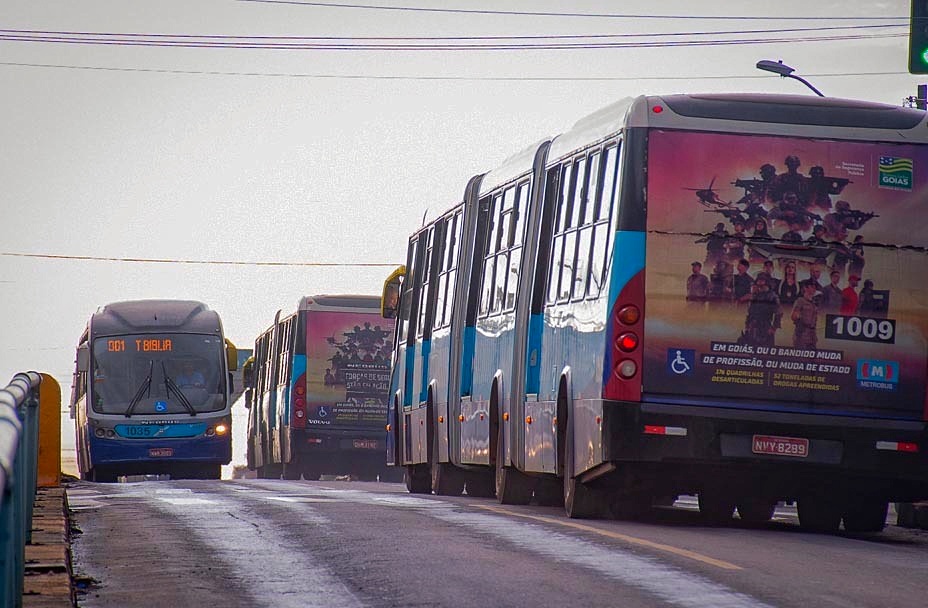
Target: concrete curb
{"x": 47, "y": 581}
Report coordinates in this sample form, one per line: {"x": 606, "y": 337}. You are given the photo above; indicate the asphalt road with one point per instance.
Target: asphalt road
{"x": 257, "y": 543}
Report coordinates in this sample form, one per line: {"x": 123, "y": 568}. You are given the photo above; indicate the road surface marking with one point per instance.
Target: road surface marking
{"x": 699, "y": 557}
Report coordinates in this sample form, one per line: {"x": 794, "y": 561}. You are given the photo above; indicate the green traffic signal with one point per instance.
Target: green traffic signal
{"x": 918, "y": 38}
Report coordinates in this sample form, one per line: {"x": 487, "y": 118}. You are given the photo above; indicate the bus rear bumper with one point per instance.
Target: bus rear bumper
{"x": 687, "y": 447}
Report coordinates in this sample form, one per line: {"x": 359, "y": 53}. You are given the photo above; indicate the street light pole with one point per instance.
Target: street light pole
{"x": 778, "y": 67}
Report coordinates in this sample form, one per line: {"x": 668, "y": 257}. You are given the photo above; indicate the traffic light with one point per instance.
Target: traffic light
{"x": 918, "y": 38}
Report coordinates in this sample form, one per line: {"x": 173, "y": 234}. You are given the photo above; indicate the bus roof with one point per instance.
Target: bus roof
{"x": 321, "y": 302}
{"x": 130, "y": 316}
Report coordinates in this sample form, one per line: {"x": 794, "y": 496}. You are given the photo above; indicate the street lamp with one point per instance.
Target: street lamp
{"x": 778, "y": 67}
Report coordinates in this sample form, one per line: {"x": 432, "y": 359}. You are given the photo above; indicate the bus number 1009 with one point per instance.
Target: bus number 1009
{"x": 860, "y": 329}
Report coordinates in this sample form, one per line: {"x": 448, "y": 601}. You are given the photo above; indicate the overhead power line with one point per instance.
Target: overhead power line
{"x": 430, "y": 78}
{"x": 205, "y": 262}
{"x": 394, "y": 45}
{"x": 423, "y": 9}
{"x": 54, "y": 33}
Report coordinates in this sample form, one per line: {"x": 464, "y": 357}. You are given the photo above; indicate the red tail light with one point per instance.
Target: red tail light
{"x": 298, "y": 419}
{"x": 623, "y": 374}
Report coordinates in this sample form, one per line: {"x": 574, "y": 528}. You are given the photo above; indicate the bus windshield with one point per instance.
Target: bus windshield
{"x": 161, "y": 374}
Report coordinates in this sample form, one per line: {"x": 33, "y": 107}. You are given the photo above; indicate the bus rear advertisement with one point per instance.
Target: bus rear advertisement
{"x": 318, "y": 400}
{"x": 844, "y": 224}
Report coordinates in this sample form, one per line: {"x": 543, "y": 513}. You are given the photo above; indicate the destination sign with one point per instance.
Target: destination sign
{"x": 140, "y": 345}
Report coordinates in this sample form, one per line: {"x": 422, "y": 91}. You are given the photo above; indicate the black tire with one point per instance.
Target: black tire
{"x": 481, "y": 484}
{"x": 447, "y": 479}
{"x": 630, "y": 507}
{"x": 756, "y": 511}
{"x": 580, "y": 502}
{"x": 310, "y": 471}
{"x": 513, "y": 487}
{"x": 818, "y": 514}
{"x": 101, "y": 474}
{"x": 905, "y": 515}
{"x": 269, "y": 471}
{"x": 716, "y": 508}
{"x": 549, "y": 492}
{"x": 868, "y": 516}
{"x": 418, "y": 479}
{"x": 292, "y": 471}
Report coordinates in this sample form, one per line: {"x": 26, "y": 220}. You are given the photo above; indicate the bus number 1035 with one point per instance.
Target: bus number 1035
{"x": 860, "y": 329}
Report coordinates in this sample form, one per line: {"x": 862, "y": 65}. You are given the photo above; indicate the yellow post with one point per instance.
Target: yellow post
{"x": 49, "y": 471}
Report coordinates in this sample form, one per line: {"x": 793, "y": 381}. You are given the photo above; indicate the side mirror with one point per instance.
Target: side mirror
{"x": 390, "y": 297}
{"x": 248, "y": 397}
{"x": 231, "y": 383}
{"x": 248, "y": 373}
{"x": 83, "y": 358}
{"x": 231, "y": 356}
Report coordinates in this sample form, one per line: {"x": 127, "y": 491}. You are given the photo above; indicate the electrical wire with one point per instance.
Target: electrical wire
{"x": 430, "y": 78}
{"x": 206, "y": 262}
{"x": 396, "y": 46}
{"x": 563, "y": 14}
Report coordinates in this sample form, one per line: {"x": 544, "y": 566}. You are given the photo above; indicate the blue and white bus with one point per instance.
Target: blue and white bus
{"x": 722, "y": 295}
{"x": 151, "y": 391}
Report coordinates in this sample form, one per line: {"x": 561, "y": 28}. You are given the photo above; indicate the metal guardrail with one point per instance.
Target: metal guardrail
{"x": 19, "y": 448}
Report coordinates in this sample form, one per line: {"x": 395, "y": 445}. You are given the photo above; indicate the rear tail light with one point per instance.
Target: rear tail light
{"x": 897, "y": 446}
{"x": 624, "y": 355}
{"x": 298, "y": 419}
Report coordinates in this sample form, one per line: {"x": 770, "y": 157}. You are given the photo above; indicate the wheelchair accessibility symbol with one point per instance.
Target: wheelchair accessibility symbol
{"x": 680, "y": 361}
{"x": 323, "y": 413}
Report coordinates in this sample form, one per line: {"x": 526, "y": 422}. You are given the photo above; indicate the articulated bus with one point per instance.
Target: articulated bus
{"x": 318, "y": 394}
{"x": 151, "y": 391}
{"x": 721, "y": 295}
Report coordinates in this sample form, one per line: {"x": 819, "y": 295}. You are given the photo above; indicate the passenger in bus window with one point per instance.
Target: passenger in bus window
{"x": 190, "y": 377}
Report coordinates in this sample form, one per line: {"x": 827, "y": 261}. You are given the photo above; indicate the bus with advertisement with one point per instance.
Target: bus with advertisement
{"x": 722, "y": 295}
{"x": 151, "y": 392}
{"x": 318, "y": 391}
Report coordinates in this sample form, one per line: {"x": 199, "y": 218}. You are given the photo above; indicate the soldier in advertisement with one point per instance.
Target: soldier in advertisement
{"x": 697, "y": 284}
{"x": 763, "y": 318}
{"x": 805, "y": 318}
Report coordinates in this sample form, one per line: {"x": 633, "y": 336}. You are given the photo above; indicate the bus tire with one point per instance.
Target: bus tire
{"x": 481, "y": 484}
{"x": 905, "y": 515}
{"x": 418, "y": 479}
{"x": 513, "y": 487}
{"x": 101, "y": 474}
{"x": 310, "y": 471}
{"x": 866, "y": 516}
{"x": 548, "y": 492}
{"x": 293, "y": 470}
{"x": 819, "y": 514}
{"x": 580, "y": 501}
{"x": 716, "y": 507}
{"x": 756, "y": 510}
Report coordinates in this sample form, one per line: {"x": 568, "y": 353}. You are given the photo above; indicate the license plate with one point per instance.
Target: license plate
{"x": 780, "y": 446}
{"x": 158, "y": 452}
{"x": 365, "y": 444}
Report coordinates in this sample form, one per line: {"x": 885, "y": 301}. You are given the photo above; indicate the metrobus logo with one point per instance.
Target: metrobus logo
{"x": 877, "y": 375}
{"x": 896, "y": 173}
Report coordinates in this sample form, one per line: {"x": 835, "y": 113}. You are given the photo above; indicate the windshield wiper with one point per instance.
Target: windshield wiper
{"x": 146, "y": 385}
{"x": 173, "y": 388}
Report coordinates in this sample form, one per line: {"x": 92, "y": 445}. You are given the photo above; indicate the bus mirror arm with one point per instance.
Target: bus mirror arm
{"x": 231, "y": 383}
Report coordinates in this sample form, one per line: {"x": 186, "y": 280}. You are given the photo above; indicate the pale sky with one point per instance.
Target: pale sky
{"x": 139, "y": 148}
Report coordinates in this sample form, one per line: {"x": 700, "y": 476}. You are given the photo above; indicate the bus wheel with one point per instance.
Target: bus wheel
{"x": 868, "y": 516}
{"x": 818, "y": 514}
{"x": 102, "y": 474}
{"x": 310, "y": 472}
{"x": 716, "y": 508}
{"x": 548, "y": 492}
{"x": 293, "y": 470}
{"x": 513, "y": 487}
{"x": 418, "y": 479}
{"x": 480, "y": 484}
{"x": 580, "y": 501}
{"x": 756, "y": 510}
{"x": 447, "y": 480}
